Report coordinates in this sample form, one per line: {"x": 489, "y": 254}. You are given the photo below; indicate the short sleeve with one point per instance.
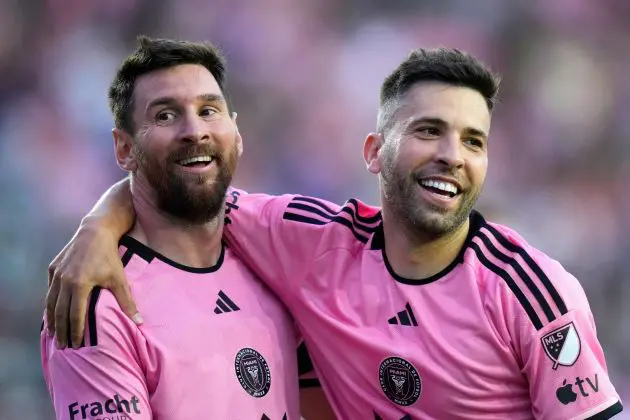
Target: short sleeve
{"x": 101, "y": 379}
{"x": 563, "y": 361}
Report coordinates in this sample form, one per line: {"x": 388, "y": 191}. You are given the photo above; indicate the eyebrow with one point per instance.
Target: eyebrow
{"x": 169, "y": 100}
{"x": 439, "y": 122}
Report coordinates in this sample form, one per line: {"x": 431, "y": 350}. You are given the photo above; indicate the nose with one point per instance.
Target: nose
{"x": 193, "y": 129}
{"x": 450, "y": 151}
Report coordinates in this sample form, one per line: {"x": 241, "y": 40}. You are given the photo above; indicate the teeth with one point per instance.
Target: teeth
{"x": 195, "y": 159}
{"x": 444, "y": 186}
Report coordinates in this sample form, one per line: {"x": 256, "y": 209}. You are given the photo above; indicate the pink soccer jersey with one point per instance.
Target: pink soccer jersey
{"x": 215, "y": 344}
{"x": 503, "y": 332}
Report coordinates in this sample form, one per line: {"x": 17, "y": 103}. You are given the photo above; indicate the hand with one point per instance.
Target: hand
{"x": 89, "y": 260}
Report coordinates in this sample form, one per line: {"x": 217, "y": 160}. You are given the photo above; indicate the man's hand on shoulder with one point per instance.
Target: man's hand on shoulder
{"x": 89, "y": 260}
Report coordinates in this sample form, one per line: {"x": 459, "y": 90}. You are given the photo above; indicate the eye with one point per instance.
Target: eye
{"x": 474, "y": 142}
{"x": 429, "y": 131}
{"x": 165, "y": 116}
{"x": 208, "y": 111}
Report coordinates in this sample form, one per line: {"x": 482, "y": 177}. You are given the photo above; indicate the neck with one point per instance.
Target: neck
{"x": 416, "y": 256}
{"x": 192, "y": 245}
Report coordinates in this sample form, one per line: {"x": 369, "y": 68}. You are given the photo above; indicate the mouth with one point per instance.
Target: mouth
{"x": 196, "y": 162}
{"x": 443, "y": 188}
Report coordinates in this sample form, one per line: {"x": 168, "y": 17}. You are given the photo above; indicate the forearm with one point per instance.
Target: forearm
{"x": 114, "y": 210}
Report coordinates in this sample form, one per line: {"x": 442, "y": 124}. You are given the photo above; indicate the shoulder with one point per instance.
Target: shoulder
{"x": 517, "y": 273}
{"x": 349, "y": 223}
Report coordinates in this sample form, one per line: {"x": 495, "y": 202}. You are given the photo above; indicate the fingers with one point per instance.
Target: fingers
{"x": 51, "y": 302}
{"x": 61, "y": 315}
{"x": 78, "y": 305}
{"x": 123, "y": 295}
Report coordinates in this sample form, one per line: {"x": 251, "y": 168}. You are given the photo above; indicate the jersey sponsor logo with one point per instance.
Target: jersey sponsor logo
{"x": 252, "y": 372}
{"x": 562, "y": 345}
{"x": 404, "y": 317}
{"x": 566, "y": 393}
{"x": 400, "y": 381}
{"x": 115, "y": 408}
{"x": 225, "y": 304}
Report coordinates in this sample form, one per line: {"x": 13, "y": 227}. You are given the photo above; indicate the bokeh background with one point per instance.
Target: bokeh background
{"x": 304, "y": 77}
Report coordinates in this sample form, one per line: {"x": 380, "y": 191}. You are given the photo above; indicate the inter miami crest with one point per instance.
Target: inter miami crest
{"x": 252, "y": 372}
{"x": 562, "y": 345}
{"x": 400, "y": 380}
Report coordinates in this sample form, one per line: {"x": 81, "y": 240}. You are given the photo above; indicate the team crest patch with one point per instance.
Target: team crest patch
{"x": 252, "y": 372}
{"x": 400, "y": 381}
{"x": 562, "y": 345}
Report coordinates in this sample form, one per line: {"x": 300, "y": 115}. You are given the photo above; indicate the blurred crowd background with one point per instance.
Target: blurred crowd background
{"x": 304, "y": 77}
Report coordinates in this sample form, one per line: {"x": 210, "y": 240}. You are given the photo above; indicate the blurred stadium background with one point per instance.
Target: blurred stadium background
{"x": 304, "y": 77}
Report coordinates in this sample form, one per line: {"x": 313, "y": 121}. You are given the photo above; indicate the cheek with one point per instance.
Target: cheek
{"x": 478, "y": 168}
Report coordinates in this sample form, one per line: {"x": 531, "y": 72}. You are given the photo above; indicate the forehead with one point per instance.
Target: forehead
{"x": 183, "y": 82}
{"x": 460, "y": 107}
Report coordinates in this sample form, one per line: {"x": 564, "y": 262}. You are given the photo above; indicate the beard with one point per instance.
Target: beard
{"x": 192, "y": 198}
{"x": 421, "y": 218}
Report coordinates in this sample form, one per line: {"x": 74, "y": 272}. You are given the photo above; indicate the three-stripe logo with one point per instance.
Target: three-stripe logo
{"x": 225, "y": 304}
{"x": 404, "y": 317}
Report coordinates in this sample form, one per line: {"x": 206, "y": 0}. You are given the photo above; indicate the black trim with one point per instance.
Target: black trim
{"x": 337, "y": 219}
{"x": 96, "y": 292}
{"x": 611, "y": 411}
{"x": 305, "y": 364}
{"x": 148, "y": 254}
{"x": 511, "y": 284}
{"x": 127, "y": 257}
{"x": 325, "y": 215}
{"x": 355, "y": 214}
{"x": 378, "y": 242}
{"x": 42, "y": 327}
{"x": 533, "y": 265}
{"x": 310, "y": 383}
{"x": 511, "y": 261}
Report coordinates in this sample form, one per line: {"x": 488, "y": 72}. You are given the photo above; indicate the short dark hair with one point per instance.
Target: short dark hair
{"x": 156, "y": 54}
{"x": 447, "y": 65}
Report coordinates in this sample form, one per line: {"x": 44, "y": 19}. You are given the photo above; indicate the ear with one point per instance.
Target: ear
{"x": 239, "y": 139}
{"x": 123, "y": 150}
{"x": 371, "y": 152}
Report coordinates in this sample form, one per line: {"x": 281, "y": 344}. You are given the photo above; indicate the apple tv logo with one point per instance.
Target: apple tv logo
{"x": 566, "y": 394}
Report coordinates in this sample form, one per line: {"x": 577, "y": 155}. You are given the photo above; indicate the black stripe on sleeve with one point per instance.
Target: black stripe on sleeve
{"x": 610, "y": 412}
{"x": 534, "y": 267}
{"x": 522, "y": 274}
{"x": 312, "y": 221}
{"x": 92, "y": 316}
{"x": 511, "y": 284}
{"x": 317, "y": 211}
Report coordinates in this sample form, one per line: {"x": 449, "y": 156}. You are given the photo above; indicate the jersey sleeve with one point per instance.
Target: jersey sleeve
{"x": 103, "y": 378}
{"x": 279, "y": 237}
{"x": 561, "y": 355}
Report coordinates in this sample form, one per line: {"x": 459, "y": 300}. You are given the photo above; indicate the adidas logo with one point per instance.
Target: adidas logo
{"x": 405, "y": 317}
{"x": 225, "y": 304}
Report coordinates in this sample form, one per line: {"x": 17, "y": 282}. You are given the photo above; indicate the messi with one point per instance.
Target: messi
{"x": 114, "y": 405}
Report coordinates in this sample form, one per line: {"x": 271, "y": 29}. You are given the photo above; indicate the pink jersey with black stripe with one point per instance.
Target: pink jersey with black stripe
{"x": 215, "y": 344}
{"x": 503, "y": 332}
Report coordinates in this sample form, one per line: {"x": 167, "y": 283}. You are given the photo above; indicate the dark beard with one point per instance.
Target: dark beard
{"x": 422, "y": 219}
{"x": 183, "y": 196}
